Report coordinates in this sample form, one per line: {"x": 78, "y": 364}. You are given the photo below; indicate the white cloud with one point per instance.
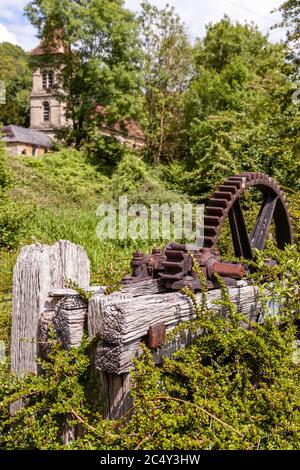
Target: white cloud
{"x": 14, "y": 27}
{"x": 20, "y": 34}
{"x": 198, "y": 13}
{"x": 7, "y": 36}
{"x": 16, "y": 4}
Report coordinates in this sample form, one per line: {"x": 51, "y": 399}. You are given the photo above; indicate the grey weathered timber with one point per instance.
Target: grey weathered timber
{"x": 68, "y": 318}
{"x": 40, "y": 269}
{"x": 121, "y": 323}
{"x": 144, "y": 287}
{"x": 69, "y": 321}
{"x": 114, "y": 393}
{"x": 114, "y": 389}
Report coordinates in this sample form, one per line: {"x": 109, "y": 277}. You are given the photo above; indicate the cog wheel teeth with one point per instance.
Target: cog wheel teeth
{"x": 227, "y": 193}
{"x": 231, "y": 184}
{"x": 223, "y": 195}
{"x": 210, "y": 229}
{"x": 236, "y": 178}
{"x": 215, "y": 211}
{"x": 220, "y": 203}
{"x": 210, "y": 242}
{"x": 226, "y": 188}
{"x": 211, "y": 220}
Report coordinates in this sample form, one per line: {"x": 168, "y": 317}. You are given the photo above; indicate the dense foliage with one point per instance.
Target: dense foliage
{"x": 13, "y": 217}
{"x": 167, "y": 69}
{"x": 100, "y": 65}
{"x": 233, "y": 388}
{"x": 16, "y": 75}
{"x": 209, "y": 110}
{"x": 239, "y": 110}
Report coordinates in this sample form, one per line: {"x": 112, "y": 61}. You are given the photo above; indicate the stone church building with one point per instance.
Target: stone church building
{"x": 47, "y": 112}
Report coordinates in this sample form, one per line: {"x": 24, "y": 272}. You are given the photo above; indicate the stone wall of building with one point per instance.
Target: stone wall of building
{"x": 38, "y": 97}
{"x": 24, "y": 149}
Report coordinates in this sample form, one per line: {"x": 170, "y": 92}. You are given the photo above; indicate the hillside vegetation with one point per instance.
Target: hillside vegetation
{"x": 217, "y": 107}
{"x": 64, "y": 190}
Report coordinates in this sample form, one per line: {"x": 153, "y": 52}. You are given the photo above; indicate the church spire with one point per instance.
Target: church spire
{"x": 50, "y": 44}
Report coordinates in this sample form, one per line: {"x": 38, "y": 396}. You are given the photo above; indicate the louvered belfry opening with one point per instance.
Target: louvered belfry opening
{"x": 46, "y": 111}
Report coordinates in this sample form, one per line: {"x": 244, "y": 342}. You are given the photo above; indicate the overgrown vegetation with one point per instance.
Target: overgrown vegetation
{"x": 13, "y": 216}
{"x": 233, "y": 388}
{"x": 100, "y": 65}
{"x": 16, "y": 75}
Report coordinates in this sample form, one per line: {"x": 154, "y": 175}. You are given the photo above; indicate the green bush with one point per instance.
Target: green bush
{"x": 232, "y": 388}
{"x": 14, "y": 223}
{"x": 141, "y": 183}
{"x": 14, "y": 218}
{"x": 63, "y": 178}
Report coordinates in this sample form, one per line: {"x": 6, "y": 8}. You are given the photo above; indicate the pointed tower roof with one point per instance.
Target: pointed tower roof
{"x": 50, "y": 45}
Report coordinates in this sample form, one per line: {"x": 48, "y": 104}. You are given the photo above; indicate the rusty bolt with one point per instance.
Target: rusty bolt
{"x": 235, "y": 271}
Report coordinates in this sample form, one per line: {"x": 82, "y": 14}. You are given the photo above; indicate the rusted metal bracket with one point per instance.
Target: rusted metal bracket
{"x": 156, "y": 336}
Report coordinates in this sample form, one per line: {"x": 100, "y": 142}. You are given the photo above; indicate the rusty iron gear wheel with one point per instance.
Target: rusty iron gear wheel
{"x": 226, "y": 203}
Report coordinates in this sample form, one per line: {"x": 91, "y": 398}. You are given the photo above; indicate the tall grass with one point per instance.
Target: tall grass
{"x": 110, "y": 259}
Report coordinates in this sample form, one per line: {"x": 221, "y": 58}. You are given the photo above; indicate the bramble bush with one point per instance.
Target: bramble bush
{"x": 232, "y": 388}
{"x": 13, "y": 217}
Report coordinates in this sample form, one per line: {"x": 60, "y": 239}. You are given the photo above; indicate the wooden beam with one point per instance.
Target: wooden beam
{"x": 122, "y": 321}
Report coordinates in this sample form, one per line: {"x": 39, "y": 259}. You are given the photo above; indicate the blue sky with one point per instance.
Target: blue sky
{"x": 196, "y": 13}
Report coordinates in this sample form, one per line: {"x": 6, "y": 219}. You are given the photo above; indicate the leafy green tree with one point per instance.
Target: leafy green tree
{"x": 16, "y": 75}
{"x": 166, "y": 71}
{"x": 101, "y": 63}
{"x": 239, "y": 110}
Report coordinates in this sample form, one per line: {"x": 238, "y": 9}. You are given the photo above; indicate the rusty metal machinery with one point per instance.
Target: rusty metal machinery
{"x": 174, "y": 264}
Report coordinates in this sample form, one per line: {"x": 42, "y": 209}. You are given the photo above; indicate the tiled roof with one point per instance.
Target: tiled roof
{"x": 129, "y": 128}
{"x": 25, "y": 136}
{"x": 53, "y": 45}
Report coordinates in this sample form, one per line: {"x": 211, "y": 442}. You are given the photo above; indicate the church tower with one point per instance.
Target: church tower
{"x": 47, "y": 111}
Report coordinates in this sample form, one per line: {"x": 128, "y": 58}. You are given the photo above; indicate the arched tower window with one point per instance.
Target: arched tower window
{"x": 48, "y": 79}
{"x": 46, "y": 111}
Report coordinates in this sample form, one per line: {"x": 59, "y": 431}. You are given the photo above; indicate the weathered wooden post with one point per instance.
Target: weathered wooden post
{"x": 114, "y": 388}
{"x": 39, "y": 270}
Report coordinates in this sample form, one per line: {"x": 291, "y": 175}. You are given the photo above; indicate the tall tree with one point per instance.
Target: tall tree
{"x": 290, "y": 11}
{"x": 166, "y": 71}
{"x": 101, "y": 63}
{"x": 16, "y": 75}
{"x": 239, "y": 110}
